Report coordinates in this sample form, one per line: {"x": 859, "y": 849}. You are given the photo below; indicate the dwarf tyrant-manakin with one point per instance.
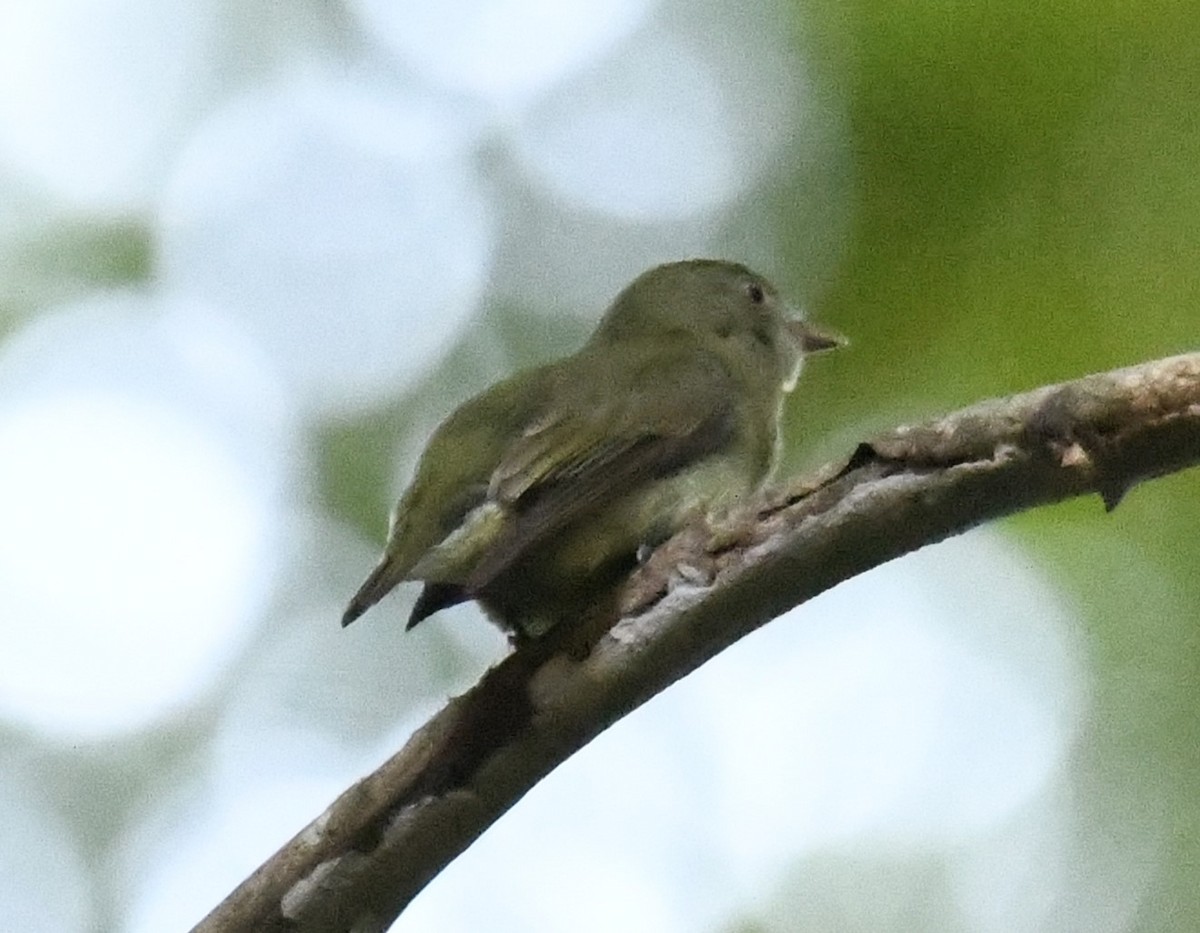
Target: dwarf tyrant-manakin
{"x": 535, "y": 496}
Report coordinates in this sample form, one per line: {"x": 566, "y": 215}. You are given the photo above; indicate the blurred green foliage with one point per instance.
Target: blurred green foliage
{"x": 1026, "y": 201}
{"x": 66, "y": 257}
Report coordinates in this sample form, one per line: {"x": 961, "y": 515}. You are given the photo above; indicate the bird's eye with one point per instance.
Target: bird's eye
{"x": 755, "y": 292}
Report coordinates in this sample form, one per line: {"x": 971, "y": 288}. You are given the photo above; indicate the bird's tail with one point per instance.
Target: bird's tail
{"x": 383, "y": 580}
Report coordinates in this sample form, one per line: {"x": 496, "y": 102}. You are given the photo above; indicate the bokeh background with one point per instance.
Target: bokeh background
{"x": 251, "y": 252}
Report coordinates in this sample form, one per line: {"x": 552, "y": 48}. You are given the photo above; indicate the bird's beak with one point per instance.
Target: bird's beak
{"x": 811, "y": 338}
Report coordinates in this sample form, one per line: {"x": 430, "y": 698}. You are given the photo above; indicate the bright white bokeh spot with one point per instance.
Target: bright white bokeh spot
{"x": 94, "y": 93}
{"x": 139, "y": 487}
{"x": 502, "y": 51}
{"x": 617, "y": 838}
{"x": 601, "y": 888}
{"x": 344, "y": 227}
{"x": 119, "y": 519}
{"x": 924, "y": 703}
{"x": 44, "y": 883}
{"x": 647, "y": 136}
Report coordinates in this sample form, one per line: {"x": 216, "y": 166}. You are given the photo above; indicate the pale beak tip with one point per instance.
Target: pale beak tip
{"x": 815, "y": 339}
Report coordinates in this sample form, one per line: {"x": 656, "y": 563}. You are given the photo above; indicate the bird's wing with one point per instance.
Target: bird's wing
{"x": 621, "y": 424}
{"x": 451, "y": 485}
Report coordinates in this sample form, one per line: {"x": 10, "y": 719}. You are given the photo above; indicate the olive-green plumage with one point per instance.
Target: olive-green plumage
{"x": 535, "y": 495}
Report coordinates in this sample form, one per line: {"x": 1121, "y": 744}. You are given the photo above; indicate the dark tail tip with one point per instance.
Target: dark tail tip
{"x": 381, "y": 582}
{"x": 353, "y": 611}
{"x": 435, "y": 597}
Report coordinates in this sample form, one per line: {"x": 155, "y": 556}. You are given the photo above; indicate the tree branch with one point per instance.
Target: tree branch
{"x": 361, "y": 861}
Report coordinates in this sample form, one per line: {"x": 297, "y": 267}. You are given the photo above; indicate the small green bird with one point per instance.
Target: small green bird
{"x": 535, "y": 496}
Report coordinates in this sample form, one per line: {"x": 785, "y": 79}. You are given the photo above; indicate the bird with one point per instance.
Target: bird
{"x": 536, "y": 496}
